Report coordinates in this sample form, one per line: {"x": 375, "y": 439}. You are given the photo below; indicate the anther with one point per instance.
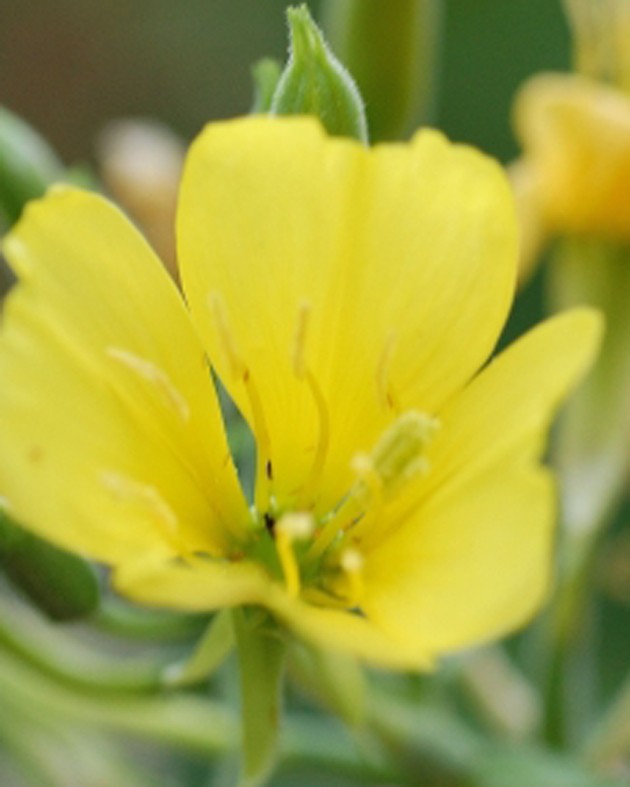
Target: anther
{"x": 397, "y": 457}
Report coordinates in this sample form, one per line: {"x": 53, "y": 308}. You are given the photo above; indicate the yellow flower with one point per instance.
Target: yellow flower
{"x": 575, "y": 134}
{"x": 347, "y": 298}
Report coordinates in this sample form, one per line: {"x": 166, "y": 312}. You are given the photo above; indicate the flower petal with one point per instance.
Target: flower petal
{"x": 333, "y": 284}
{"x": 207, "y": 585}
{"x": 576, "y": 138}
{"x": 472, "y": 556}
{"x": 197, "y": 585}
{"x": 469, "y": 565}
{"x": 112, "y": 437}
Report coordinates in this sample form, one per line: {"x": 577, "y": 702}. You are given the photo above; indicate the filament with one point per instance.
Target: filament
{"x": 240, "y": 372}
{"x": 291, "y": 528}
{"x": 302, "y": 372}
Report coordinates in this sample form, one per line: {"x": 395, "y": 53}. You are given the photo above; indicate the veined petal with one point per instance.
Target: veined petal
{"x": 346, "y": 632}
{"x": 334, "y": 285}
{"x": 112, "y": 437}
{"x": 507, "y": 409}
{"x": 468, "y": 565}
{"x": 466, "y": 555}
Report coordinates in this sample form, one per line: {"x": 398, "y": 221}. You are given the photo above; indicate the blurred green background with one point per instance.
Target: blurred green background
{"x": 70, "y": 65}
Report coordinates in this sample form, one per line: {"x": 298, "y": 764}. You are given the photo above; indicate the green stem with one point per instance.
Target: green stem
{"x": 49, "y": 649}
{"x": 593, "y": 461}
{"x": 261, "y": 651}
{"x": 428, "y": 743}
{"x": 391, "y": 48}
{"x": 571, "y": 671}
{"x": 122, "y": 619}
{"x": 505, "y": 702}
{"x": 609, "y": 744}
{"x": 193, "y": 724}
{"x": 198, "y": 725}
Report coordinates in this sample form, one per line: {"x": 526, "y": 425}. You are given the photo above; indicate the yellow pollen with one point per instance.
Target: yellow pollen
{"x": 241, "y": 373}
{"x": 154, "y": 375}
{"x": 291, "y": 528}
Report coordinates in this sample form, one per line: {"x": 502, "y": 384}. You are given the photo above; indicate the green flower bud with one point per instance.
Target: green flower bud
{"x": 315, "y": 83}
{"x": 62, "y": 585}
{"x": 28, "y": 165}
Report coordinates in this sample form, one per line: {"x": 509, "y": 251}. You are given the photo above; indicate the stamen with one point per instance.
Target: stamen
{"x": 147, "y": 498}
{"x": 302, "y": 372}
{"x": 291, "y": 528}
{"x": 154, "y": 375}
{"x": 397, "y": 457}
{"x": 352, "y": 564}
{"x": 241, "y": 373}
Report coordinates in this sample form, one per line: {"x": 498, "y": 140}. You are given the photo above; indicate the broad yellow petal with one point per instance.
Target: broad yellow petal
{"x": 112, "y": 438}
{"x": 469, "y": 565}
{"x": 466, "y": 553}
{"x": 506, "y": 411}
{"x": 334, "y": 285}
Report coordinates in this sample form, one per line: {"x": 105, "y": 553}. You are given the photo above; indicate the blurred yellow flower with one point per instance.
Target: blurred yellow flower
{"x": 575, "y": 134}
{"x": 347, "y": 298}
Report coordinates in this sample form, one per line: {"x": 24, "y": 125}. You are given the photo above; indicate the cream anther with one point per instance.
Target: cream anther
{"x": 296, "y": 526}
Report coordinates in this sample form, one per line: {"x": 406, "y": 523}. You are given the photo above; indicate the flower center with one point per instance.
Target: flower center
{"x": 321, "y": 558}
